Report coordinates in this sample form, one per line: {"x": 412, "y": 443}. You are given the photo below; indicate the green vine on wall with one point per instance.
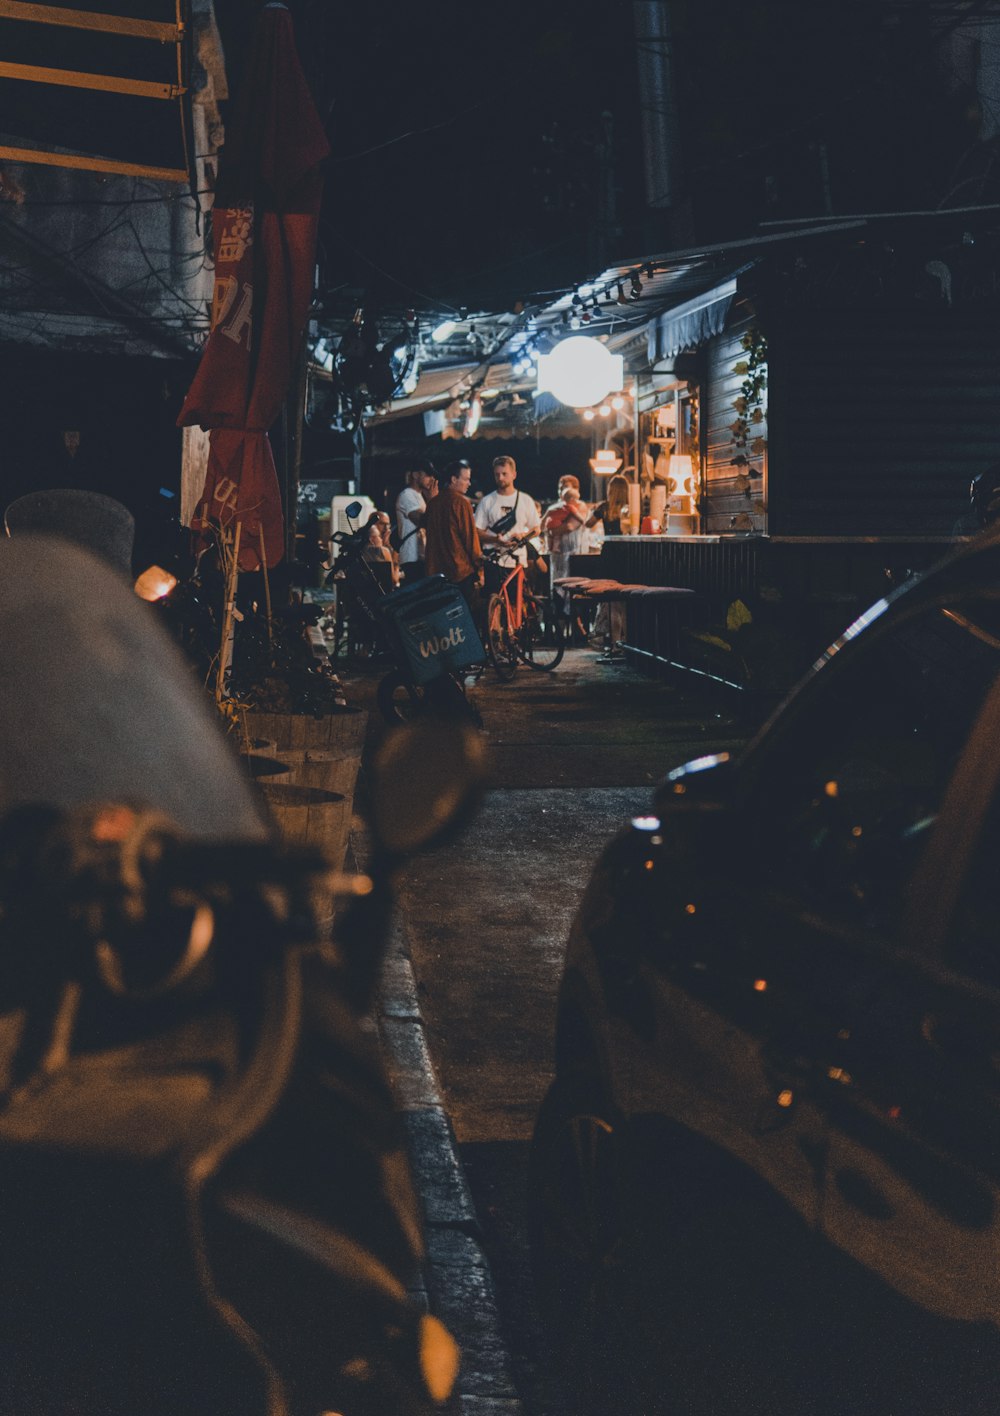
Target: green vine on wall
{"x": 750, "y": 404}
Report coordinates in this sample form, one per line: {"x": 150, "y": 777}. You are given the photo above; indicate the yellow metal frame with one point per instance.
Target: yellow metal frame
{"x": 93, "y": 164}
{"x": 86, "y": 19}
{"x": 70, "y": 78}
{"x": 162, "y": 33}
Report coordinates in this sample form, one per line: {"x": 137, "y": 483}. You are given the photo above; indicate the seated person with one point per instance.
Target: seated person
{"x": 378, "y": 550}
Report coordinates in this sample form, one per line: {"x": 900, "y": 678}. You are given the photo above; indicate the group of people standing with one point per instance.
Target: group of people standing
{"x": 439, "y": 531}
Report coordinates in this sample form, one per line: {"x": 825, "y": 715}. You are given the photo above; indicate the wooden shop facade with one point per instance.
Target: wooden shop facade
{"x": 834, "y": 407}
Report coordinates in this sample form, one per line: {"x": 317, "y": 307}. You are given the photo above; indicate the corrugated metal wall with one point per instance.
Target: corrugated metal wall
{"x": 717, "y": 571}
{"x": 880, "y": 418}
{"x": 730, "y": 498}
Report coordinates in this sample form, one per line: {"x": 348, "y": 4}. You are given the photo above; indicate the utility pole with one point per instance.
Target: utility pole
{"x": 606, "y": 226}
{"x": 657, "y": 101}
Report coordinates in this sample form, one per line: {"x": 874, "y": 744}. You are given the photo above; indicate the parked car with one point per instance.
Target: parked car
{"x": 788, "y": 972}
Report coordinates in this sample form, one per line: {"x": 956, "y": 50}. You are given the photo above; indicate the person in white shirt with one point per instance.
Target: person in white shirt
{"x": 410, "y": 507}
{"x": 496, "y": 504}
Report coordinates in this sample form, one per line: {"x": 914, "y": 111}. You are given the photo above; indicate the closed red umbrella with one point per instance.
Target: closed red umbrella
{"x": 264, "y": 237}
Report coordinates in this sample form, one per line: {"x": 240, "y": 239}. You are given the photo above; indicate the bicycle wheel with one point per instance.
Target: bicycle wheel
{"x": 501, "y": 646}
{"x": 445, "y": 697}
{"x": 541, "y": 639}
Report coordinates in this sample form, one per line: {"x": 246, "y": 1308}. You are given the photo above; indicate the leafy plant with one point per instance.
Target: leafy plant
{"x": 750, "y": 404}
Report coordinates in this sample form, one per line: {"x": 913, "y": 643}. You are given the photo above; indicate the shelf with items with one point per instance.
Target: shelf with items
{"x": 670, "y": 461}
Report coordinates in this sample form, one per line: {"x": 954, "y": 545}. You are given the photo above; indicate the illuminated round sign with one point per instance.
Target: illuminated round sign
{"x": 580, "y": 371}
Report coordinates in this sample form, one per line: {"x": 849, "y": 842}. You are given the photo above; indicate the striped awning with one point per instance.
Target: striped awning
{"x": 691, "y": 324}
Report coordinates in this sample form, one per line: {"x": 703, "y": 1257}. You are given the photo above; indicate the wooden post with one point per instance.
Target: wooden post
{"x": 267, "y": 582}
{"x": 225, "y": 648}
{"x": 292, "y": 419}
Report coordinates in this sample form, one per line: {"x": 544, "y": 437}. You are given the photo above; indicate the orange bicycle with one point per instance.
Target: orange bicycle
{"x": 521, "y": 624}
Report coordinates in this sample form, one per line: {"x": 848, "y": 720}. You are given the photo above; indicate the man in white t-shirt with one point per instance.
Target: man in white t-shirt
{"x": 410, "y": 507}
{"x": 496, "y": 504}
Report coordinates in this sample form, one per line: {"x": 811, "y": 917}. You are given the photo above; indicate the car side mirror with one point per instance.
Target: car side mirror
{"x": 705, "y": 784}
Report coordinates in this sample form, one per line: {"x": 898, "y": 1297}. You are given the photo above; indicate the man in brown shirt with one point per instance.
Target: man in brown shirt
{"x": 453, "y": 548}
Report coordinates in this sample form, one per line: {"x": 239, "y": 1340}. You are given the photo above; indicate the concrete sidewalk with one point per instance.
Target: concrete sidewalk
{"x": 460, "y": 1287}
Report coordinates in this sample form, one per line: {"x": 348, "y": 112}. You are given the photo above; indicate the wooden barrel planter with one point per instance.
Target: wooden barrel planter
{"x": 308, "y": 816}
{"x": 322, "y": 755}
{"x": 330, "y": 769}
{"x": 259, "y": 759}
{"x": 299, "y": 730}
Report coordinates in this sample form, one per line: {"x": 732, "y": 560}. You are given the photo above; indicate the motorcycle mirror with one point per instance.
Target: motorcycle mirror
{"x": 352, "y": 510}
{"x": 428, "y": 776}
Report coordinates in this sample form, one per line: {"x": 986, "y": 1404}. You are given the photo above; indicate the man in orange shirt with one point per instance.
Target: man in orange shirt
{"x": 453, "y": 548}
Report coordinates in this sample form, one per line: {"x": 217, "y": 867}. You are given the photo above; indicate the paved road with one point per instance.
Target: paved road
{"x": 573, "y": 755}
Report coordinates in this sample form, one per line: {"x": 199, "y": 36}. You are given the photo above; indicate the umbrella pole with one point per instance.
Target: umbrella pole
{"x": 267, "y": 583}
{"x": 225, "y": 648}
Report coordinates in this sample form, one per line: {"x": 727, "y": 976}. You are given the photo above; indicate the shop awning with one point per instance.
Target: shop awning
{"x": 688, "y": 325}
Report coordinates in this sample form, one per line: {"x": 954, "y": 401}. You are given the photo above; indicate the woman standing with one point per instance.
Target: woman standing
{"x": 609, "y": 622}
{"x": 609, "y": 511}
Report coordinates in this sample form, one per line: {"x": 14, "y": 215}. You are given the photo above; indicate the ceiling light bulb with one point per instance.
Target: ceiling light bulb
{"x": 589, "y": 415}
{"x": 580, "y": 372}
{"x": 605, "y": 410}
{"x": 443, "y": 331}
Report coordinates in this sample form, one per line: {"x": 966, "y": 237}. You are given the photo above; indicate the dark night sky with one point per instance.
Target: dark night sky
{"x": 493, "y": 194}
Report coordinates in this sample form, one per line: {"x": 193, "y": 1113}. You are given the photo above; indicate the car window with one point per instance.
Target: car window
{"x": 856, "y": 782}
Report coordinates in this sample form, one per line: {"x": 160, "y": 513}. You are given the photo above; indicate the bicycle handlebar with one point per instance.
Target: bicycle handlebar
{"x": 494, "y": 551}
